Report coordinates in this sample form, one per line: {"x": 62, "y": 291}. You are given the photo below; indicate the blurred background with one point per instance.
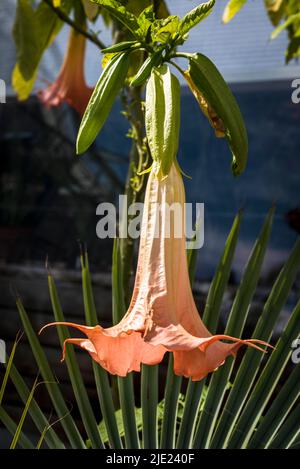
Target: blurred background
{"x": 48, "y": 195}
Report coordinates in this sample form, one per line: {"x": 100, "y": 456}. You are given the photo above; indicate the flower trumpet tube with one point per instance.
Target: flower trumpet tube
{"x": 162, "y": 315}
{"x": 70, "y": 85}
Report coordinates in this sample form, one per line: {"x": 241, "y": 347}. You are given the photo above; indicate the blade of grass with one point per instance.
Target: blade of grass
{"x": 172, "y": 390}
{"x": 249, "y": 366}
{"x": 277, "y": 413}
{"x": 11, "y": 427}
{"x": 8, "y": 365}
{"x": 266, "y": 383}
{"x": 101, "y": 377}
{"x": 55, "y": 394}
{"x": 149, "y": 401}
{"x": 125, "y": 385}
{"x": 289, "y": 432}
{"x": 79, "y": 389}
{"x": 39, "y": 419}
{"x": 23, "y": 417}
{"x": 210, "y": 319}
{"x": 235, "y": 325}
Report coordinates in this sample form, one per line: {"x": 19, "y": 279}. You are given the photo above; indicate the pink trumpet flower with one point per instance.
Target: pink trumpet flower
{"x": 162, "y": 315}
{"x": 70, "y": 85}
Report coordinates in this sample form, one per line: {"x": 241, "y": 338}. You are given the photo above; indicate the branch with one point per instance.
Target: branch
{"x": 91, "y": 37}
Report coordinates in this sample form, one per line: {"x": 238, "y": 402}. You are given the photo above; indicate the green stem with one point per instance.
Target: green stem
{"x": 149, "y": 398}
{"x": 172, "y": 390}
{"x": 135, "y": 184}
{"x": 64, "y": 17}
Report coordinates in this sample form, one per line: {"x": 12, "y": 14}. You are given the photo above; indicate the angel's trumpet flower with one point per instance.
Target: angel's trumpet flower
{"x": 70, "y": 85}
{"x": 162, "y": 315}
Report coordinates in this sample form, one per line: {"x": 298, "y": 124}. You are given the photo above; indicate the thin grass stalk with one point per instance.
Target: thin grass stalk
{"x": 23, "y": 417}
{"x": 36, "y": 414}
{"x": 289, "y": 432}
{"x": 11, "y": 427}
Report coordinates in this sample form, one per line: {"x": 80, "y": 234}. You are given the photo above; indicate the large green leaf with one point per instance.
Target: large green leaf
{"x": 34, "y": 30}
{"x": 121, "y": 13}
{"x": 219, "y": 105}
{"x": 102, "y": 99}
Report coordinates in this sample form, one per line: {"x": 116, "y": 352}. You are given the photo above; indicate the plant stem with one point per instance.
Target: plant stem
{"x": 149, "y": 401}
{"x": 135, "y": 184}
{"x": 66, "y": 19}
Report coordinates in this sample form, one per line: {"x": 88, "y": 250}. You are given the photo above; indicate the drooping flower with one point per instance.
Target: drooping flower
{"x": 162, "y": 315}
{"x": 70, "y": 85}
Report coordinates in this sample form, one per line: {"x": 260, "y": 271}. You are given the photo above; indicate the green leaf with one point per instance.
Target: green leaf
{"x": 101, "y": 101}
{"x": 293, "y": 50}
{"x": 120, "y": 47}
{"x": 193, "y": 17}
{"x": 290, "y": 20}
{"x": 121, "y": 13}
{"x": 34, "y": 31}
{"x": 146, "y": 69}
{"x": 120, "y": 425}
{"x": 275, "y": 10}
{"x": 23, "y": 416}
{"x": 165, "y": 30}
{"x": 232, "y": 8}
{"x": 206, "y": 81}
